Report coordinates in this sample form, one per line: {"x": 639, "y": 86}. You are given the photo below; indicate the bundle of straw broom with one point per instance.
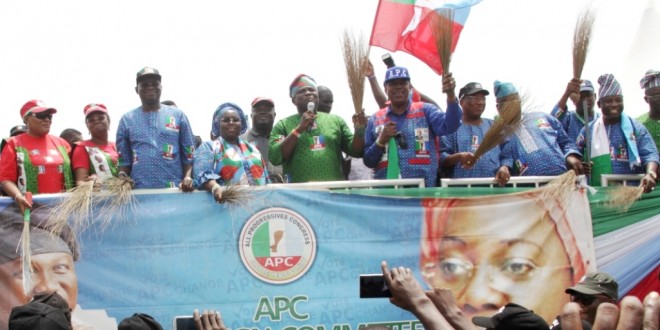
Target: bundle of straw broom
{"x": 356, "y": 56}
{"x": 77, "y": 209}
{"x": 442, "y": 26}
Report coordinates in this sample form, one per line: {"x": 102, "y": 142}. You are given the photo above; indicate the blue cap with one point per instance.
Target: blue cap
{"x": 503, "y": 89}
{"x": 609, "y": 86}
{"x": 587, "y": 86}
{"x": 396, "y": 72}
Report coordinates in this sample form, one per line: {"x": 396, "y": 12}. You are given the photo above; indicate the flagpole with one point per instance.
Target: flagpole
{"x": 587, "y": 139}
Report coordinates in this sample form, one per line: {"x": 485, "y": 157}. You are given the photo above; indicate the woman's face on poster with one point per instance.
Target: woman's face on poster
{"x": 491, "y": 255}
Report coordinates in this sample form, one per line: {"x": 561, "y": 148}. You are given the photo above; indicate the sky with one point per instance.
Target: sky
{"x": 75, "y": 52}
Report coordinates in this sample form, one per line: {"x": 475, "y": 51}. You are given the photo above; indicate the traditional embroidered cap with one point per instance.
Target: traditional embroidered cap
{"x": 215, "y": 124}
{"x": 139, "y": 321}
{"x": 396, "y": 72}
{"x": 42, "y": 241}
{"x": 512, "y": 317}
{"x": 503, "y": 89}
{"x": 35, "y": 106}
{"x": 587, "y": 86}
{"x": 596, "y": 283}
{"x": 609, "y": 86}
{"x": 94, "y": 107}
{"x": 471, "y": 89}
{"x": 18, "y": 129}
{"x": 651, "y": 79}
{"x": 301, "y": 80}
{"x": 258, "y": 100}
{"x": 37, "y": 316}
{"x": 146, "y": 72}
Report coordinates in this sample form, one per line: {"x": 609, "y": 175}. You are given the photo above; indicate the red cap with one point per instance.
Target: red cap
{"x": 35, "y": 106}
{"x": 94, "y": 107}
{"x": 262, "y": 99}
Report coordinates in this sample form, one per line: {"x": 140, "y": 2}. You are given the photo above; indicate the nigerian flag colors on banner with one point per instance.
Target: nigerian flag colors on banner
{"x": 600, "y": 152}
{"x": 405, "y": 25}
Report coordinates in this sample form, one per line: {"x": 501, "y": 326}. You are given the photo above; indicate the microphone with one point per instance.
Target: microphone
{"x": 311, "y": 107}
{"x": 401, "y": 140}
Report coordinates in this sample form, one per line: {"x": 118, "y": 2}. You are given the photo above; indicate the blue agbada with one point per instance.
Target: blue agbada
{"x": 419, "y": 126}
{"x": 540, "y": 146}
{"x": 619, "y": 154}
{"x": 570, "y": 121}
{"x": 155, "y": 145}
{"x": 467, "y": 139}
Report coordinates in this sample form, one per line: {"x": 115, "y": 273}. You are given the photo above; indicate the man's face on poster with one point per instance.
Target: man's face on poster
{"x": 53, "y": 272}
{"x": 491, "y": 255}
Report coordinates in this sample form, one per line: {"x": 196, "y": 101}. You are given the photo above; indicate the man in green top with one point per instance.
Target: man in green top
{"x": 651, "y": 120}
{"x": 309, "y": 144}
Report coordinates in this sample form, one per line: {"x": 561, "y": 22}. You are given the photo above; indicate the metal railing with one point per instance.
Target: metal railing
{"x": 347, "y": 185}
{"x": 514, "y": 182}
{"x": 606, "y": 179}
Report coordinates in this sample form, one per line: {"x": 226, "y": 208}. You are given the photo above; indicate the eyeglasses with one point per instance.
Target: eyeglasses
{"x": 231, "y": 120}
{"x": 583, "y": 299}
{"x": 475, "y": 98}
{"x": 42, "y": 115}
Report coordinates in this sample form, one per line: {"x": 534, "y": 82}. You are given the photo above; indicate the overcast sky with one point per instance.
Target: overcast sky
{"x": 71, "y": 53}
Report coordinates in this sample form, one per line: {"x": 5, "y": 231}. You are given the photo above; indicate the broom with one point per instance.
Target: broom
{"x": 442, "y": 26}
{"x": 26, "y": 249}
{"x": 623, "y": 197}
{"x": 356, "y": 57}
{"x": 505, "y": 125}
{"x": 581, "y": 38}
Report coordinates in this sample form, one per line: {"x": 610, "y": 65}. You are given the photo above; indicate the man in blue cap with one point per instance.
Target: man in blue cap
{"x": 619, "y": 144}
{"x": 581, "y": 93}
{"x": 650, "y": 83}
{"x": 457, "y": 149}
{"x": 400, "y": 140}
{"x": 540, "y": 146}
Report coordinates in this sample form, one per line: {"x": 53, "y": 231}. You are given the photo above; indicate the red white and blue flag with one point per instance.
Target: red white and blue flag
{"x": 405, "y": 25}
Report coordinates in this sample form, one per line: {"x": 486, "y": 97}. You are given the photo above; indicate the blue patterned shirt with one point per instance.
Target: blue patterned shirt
{"x": 155, "y": 145}
{"x": 467, "y": 139}
{"x": 419, "y": 127}
{"x": 570, "y": 121}
{"x": 540, "y": 146}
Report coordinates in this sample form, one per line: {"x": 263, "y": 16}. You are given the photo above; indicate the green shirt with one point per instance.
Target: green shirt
{"x": 653, "y": 126}
{"x": 317, "y": 156}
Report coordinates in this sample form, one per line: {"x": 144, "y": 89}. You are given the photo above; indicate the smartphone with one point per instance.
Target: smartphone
{"x": 373, "y": 286}
{"x": 184, "y": 323}
{"x": 388, "y": 60}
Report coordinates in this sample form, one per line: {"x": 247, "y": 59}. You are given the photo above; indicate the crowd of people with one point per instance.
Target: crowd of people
{"x": 409, "y": 137}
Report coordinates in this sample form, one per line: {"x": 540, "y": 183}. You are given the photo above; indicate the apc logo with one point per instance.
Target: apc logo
{"x": 277, "y": 245}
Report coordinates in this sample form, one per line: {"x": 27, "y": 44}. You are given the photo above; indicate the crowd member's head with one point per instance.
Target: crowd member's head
{"x": 148, "y": 87}
{"x": 587, "y": 96}
{"x": 397, "y": 85}
{"x": 651, "y": 85}
{"x": 139, "y": 321}
{"x": 169, "y": 102}
{"x": 473, "y": 100}
{"x": 198, "y": 141}
{"x": 229, "y": 121}
{"x": 37, "y": 117}
{"x": 52, "y": 261}
{"x": 483, "y": 251}
{"x": 303, "y": 91}
{"x": 593, "y": 290}
{"x": 610, "y": 98}
{"x": 17, "y": 130}
{"x": 504, "y": 92}
{"x": 97, "y": 119}
{"x": 72, "y": 136}
{"x": 263, "y": 114}
{"x": 512, "y": 317}
{"x": 325, "y": 99}
{"x": 38, "y": 316}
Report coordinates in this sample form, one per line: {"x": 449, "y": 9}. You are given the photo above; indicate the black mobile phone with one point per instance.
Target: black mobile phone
{"x": 373, "y": 286}
{"x": 388, "y": 60}
{"x": 184, "y": 323}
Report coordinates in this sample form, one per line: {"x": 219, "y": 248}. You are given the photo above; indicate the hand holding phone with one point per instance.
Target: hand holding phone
{"x": 388, "y": 60}
{"x": 373, "y": 286}
{"x": 184, "y": 323}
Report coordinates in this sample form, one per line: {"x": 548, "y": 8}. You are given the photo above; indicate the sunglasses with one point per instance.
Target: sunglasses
{"x": 42, "y": 115}
{"x": 582, "y": 298}
{"x": 231, "y": 120}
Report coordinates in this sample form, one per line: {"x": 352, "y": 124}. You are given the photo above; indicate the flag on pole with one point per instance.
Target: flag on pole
{"x": 406, "y": 25}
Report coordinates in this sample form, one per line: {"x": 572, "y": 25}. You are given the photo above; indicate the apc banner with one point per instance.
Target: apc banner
{"x": 291, "y": 259}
